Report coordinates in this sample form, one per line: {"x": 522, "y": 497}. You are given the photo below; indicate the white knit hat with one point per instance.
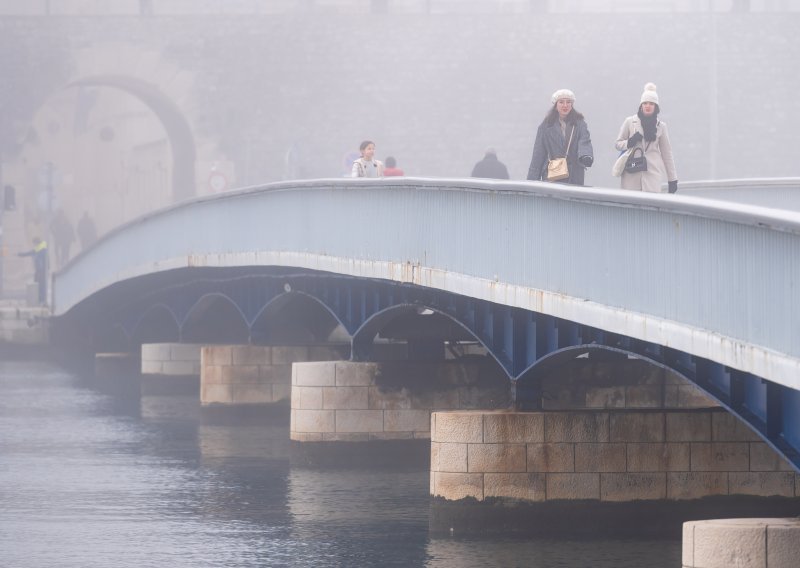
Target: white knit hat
{"x": 562, "y": 94}
{"x": 649, "y": 95}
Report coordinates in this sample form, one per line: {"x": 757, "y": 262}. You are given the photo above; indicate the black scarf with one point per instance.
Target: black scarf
{"x": 649, "y": 124}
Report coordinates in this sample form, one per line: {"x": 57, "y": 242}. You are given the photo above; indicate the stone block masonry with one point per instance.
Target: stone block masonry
{"x": 23, "y": 325}
{"x": 744, "y": 543}
{"x": 605, "y": 456}
{"x": 171, "y": 359}
{"x": 170, "y": 368}
{"x": 255, "y": 374}
{"x": 346, "y": 401}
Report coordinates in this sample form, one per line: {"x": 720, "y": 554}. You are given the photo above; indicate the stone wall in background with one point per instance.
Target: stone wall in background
{"x": 436, "y": 90}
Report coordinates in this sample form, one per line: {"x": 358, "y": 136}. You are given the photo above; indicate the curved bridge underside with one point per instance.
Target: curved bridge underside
{"x": 530, "y": 270}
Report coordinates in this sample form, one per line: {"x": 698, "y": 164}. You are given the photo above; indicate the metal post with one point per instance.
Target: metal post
{"x": 713, "y": 122}
{"x": 2, "y": 214}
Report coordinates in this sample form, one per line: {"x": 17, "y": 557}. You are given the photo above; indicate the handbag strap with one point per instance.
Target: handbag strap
{"x": 568, "y": 143}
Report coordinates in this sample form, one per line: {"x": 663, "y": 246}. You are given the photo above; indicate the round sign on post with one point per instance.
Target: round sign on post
{"x": 217, "y": 182}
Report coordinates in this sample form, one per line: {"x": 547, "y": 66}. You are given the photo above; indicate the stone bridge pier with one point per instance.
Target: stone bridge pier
{"x": 246, "y": 375}
{"x": 621, "y": 446}
{"x": 381, "y": 411}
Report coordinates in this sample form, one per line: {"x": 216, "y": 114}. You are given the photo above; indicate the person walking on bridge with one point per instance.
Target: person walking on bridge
{"x": 391, "y": 169}
{"x": 562, "y": 134}
{"x": 39, "y": 254}
{"x": 644, "y": 133}
{"x": 367, "y": 165}
{"x": 87, "y": 232}
{"x": 490, "y": 167}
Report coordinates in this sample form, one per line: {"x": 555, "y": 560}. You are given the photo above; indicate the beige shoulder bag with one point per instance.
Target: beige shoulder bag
{"x": 557, "y": 167}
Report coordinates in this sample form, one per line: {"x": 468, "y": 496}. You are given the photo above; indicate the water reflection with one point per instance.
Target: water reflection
{"x": 447, "y": 553}
{"x": 98, "y": 477}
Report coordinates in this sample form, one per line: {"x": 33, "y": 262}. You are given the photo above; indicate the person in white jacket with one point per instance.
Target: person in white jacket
{"x": 645, "y": 131}
{"x": 367, "y": 165}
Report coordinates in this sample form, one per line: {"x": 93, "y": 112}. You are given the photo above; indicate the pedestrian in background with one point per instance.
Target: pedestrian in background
{"x": 562, "y": 133}
{"x": 645, "y": 131}
{"x": 87, "y": 233}
{"x": 367, "y": 165}
{"x": 490, "y": 167}
{"x": 63, "y": 235}
{"x": 39, "y": 254}
{"x": 391, "y": 168}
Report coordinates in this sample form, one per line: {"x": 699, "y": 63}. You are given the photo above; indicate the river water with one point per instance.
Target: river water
{"x": 95, "y": 477}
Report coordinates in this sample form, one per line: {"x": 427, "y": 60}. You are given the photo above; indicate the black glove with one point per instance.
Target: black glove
{"x": 672, "y": 186}
{"x": 586, "y": 161}
{"x": 633, "y": 140}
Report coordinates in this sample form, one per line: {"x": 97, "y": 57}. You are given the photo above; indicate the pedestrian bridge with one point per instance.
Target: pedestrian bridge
{"x": 533, "y": 271}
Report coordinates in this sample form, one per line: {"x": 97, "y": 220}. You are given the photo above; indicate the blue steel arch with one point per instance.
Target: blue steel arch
{"x": 528, "y": 384}
{"x": 211, "y": 296}
{"x": 362, "y": 340}
{"x": 131, "y": 324}
{"x": 517, "y": 339}
{"x": 728, "y": 387}
{"x": 228, "y": 321}
{"x": 276, "y": 305}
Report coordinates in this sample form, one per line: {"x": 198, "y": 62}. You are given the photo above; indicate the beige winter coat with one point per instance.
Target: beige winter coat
{"x": 660, "y": 164}
{"x": 366, "y": 168}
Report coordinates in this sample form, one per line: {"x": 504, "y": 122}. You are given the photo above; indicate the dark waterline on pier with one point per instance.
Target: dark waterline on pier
{"x": 95, "y": 478}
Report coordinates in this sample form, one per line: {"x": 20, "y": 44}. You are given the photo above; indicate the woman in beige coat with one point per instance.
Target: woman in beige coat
{"x": 644, "y": 130}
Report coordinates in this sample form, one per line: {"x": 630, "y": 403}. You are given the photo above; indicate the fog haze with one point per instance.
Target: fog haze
{"x": 143, "y": 103}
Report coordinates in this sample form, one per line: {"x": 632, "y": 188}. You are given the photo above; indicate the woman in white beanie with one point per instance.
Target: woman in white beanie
{"x": 644, "y": 131}
{"x": 562, "y": 133}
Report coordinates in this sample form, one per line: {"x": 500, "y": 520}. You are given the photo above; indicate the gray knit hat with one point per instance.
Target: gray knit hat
{"x": 562, "y": 94}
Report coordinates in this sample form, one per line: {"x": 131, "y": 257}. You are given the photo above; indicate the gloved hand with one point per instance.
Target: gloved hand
{"x": 586, "y": 161}
{"x": 633, "y": 140}
{"x": 672, "y": 186}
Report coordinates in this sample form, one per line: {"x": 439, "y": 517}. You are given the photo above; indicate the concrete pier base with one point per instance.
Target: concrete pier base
{"x": 341, "y": 409}
{"x": 115, "y": 365}
{"x": 170, "y": 368}
{"x": 22, "y": 325}
{"x": 344, "y": 401}
{"x": 744, "y": 543}
{"x": 250, "y": 375}
{"x": 619, "y": 466}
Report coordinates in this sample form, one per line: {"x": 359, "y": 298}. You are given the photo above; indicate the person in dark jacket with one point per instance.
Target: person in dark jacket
{"x": 561, "y": 126}
{"x": 39, "y": 254}
{"x": 87, "y": 232}
{"x": 490, "y": 167}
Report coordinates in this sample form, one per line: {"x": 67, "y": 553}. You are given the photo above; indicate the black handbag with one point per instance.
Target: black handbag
{"x": 636, "y": 162}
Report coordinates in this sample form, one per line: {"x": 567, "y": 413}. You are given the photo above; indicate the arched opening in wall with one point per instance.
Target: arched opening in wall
{"x": 440, "y": 358}
{"x": 600, "y": 377}
{"x": 297, "y": 319}
{"x": 99, "y": 152}
{"x": 215, "y": 319}
{"x": 157, "y": 325}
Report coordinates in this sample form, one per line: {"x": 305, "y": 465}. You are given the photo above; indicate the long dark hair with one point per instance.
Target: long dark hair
{"x": 551, "y": 117}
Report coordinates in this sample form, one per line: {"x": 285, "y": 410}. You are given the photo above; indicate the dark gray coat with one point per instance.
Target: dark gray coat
{"x": 490, "y": 167}
{"x": 551, "y": 143}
